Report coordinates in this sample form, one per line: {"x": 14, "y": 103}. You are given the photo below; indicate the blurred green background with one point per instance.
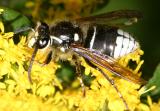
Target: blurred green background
{"x": 146, "y": 30}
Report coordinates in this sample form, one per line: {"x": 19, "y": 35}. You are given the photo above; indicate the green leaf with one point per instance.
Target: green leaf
{"x": 16, "y": 4}
{"x": 13, "y": 20}
{"x": 66, "y": 74}
{"x": 155, "y": 81}
{"x": 9, "y": 14}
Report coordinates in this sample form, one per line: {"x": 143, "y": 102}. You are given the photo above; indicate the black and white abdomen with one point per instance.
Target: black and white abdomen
{"x": 125, "y": 44}
{"x": 110, "y": 41}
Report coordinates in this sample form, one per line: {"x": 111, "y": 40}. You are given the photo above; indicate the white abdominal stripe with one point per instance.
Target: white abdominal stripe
{"x": 93, "y": 38}
{"x": 125, "y": 44}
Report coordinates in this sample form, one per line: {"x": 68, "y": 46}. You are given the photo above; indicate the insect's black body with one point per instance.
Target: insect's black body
{"x": 110, "y": 41}
{"x": 100, "y": 44}
{"x": 66, "y": 32}
{"x": 100, "y": 38}
{"x": 107, "y": 40}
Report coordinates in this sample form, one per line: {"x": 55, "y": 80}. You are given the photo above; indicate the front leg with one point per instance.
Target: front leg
{"x": 79, "y": 73}
{"x": 48, "y": 58}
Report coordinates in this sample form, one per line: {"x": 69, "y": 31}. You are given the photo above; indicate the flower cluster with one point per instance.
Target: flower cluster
{"x": 47, "y": 93}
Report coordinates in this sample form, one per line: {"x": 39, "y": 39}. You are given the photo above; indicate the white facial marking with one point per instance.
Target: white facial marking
{"x": 120, "y": 31}
{"x": 42, "y": 42}
{"x": 118, "y": 47}
{"x": 76, "y": 37}
{"x": 44, "y": 49}
{"x": 93, "y": 38}
{"x": 31, "y": 42}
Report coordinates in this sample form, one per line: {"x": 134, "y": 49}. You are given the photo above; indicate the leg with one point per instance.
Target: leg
{"x": 48, "y": 59}
{"x": 115, "y": 87}
{"x": 78, "y": 72}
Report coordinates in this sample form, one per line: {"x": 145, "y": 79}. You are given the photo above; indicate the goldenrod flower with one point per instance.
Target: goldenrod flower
{"x": 47, "y": 93}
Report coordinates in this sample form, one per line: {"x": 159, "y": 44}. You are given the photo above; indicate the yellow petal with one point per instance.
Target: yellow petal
{"x": 1, "y": 27}
{"x": 143, "y": 107}
{"x": 45, "y": 90}
{"x": 8, "y": 35}
{"x": 149, "y": 100}
{"x": 2, "y": 85}
{"x": 1, "y": 10}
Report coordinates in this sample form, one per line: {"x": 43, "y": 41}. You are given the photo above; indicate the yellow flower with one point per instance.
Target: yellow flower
{"x": 47, "y": 93}
{"x": 1, "y": 10}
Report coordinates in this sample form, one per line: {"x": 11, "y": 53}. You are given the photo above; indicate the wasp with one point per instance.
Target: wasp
{"x": 98, "y": 39}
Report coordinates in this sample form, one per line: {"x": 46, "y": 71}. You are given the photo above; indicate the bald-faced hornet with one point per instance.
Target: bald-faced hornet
{"x": 94, "y": 38}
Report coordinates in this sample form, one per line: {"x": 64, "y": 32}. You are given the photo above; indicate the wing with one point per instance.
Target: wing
{"x": 108, "y": 63}
{"x": 114, "y": 18}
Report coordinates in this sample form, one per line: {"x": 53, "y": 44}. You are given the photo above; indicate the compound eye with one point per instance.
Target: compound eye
{"x": 42, "y": 43}
{"x": 43, "y": 29}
